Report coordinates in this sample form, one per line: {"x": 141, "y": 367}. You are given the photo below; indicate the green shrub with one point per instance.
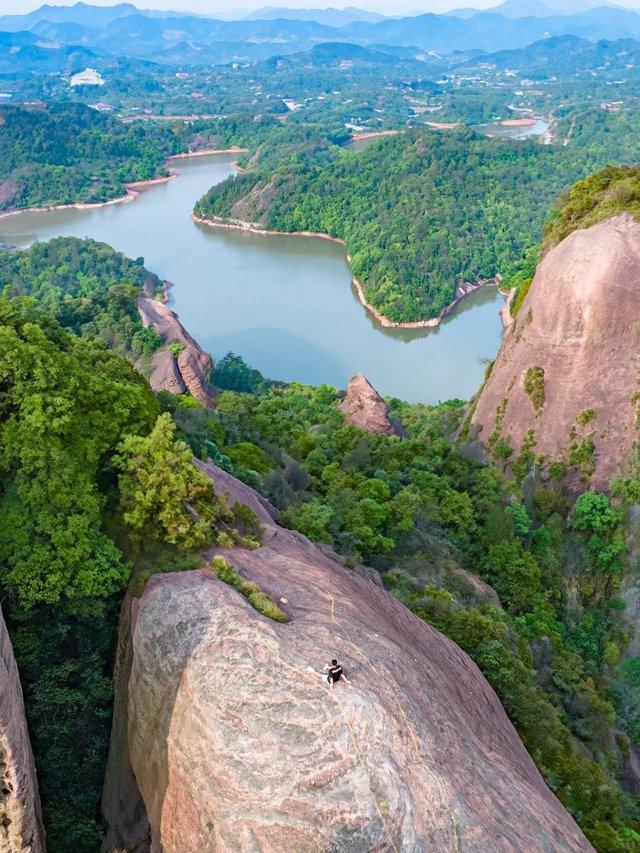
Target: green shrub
{"x": 262, "y": 602}
{"x": 526, "y": 457}
{"x": 522, "y": 292}
{"x": 175, "y": 348}
{"x": 604, "y": 194}
{"x": 582, "y": 456}
{"x": 247, "y": 525}
{"x": 534, "y": 387}
{"x": 267, "y": 606}
{"x": 585, "y": 416}
{"x": 494, "y": 446}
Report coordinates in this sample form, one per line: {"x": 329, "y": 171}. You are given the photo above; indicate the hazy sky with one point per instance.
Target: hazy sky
{"x": 213, "y": 7}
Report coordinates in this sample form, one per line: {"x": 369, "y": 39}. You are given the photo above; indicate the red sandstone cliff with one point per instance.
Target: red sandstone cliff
{"x": 568, "y": 368}
{"x": 223, "y": 741}
{"x": 190, "y": 370}
{"x": 20, "y": 822}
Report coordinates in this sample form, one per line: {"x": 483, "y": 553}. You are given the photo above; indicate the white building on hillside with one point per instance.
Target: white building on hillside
{"x": 88, "y": 77}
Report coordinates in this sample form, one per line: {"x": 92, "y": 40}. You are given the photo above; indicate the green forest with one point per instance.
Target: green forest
{"x": 419, "y": 211}
{"x": 422, "y": 210}
{"x": 68, "y": 153}
{"x": 95, "y": 473}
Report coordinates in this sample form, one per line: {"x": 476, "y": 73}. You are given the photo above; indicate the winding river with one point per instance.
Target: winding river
{"x": 284, "y": 303}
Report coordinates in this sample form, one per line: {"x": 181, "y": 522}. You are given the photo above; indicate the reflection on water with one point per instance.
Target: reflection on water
{"x": 470, "y": 304}
{"x": 510, "y": 132}
{"x": 284, "y": 303}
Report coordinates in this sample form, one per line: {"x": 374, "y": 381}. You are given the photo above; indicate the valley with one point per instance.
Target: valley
{"x": 286, "y": 304}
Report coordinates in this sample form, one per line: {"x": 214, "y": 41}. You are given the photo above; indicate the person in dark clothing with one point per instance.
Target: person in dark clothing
{"x": 333, "y": 673}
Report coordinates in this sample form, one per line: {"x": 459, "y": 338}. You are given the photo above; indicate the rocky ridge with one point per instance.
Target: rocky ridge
{"x": 566, "y": 382}
{"x": 366, "y": 409}
{"x": 20, "y": 821}
{"x": 190, "y": 369}
{"x": 224, "y": 741}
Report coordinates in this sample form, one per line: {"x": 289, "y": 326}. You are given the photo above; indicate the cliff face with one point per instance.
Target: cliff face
{"x": 190, "y": 370}
{"x": 20, "y": 822}
{"x": 568, "y": 368}
{"x": 235, "y": 746}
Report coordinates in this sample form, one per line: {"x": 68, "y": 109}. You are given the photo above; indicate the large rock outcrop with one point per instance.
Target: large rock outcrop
{"x": 235, "y": 746}
{"x": 20, "y": 822}
{"x": 366, "y": 409}
{"x": 568, "y": 368}
{"x": 190, "y": 369}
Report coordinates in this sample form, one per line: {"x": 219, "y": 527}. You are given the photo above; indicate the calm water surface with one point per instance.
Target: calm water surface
{"x": 284, "y": 303}
{"x": 509, "y": 132}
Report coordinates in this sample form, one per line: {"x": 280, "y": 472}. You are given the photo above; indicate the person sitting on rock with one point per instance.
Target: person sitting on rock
{"x": 331, "y": 673}
{"x": 334, "y": 673}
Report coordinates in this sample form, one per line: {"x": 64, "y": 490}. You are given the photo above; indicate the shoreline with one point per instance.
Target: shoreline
{"x": 131, "y": 194}
{"x": 441, "y": 125}
{"x": 132, "y": 190}
{"x": 463, "y": 289}
{"x": 204, "y": 152}
{"x": 518, "y": 122}
{"x": 372, "y": 134}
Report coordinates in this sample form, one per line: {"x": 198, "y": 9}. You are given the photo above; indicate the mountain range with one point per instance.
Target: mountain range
{"x": 123, "y": 30}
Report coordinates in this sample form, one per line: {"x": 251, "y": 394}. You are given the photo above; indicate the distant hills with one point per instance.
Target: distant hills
{"x": 330, "y": 17}
{"x": 124, "y": 30}
{"x": 566, "y": 55}
{"x": 26, "y": 52}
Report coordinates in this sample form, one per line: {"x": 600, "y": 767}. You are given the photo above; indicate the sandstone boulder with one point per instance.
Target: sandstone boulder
{"x": 20, "y": 822}
{"x": 366, "y": 409}
{"x": 567, "y": 369}
{"x": 235, "y": 746}
{"x": 166, "y": 375}
{"x": 195, "y": 367}
{"x": 192, "y": 368}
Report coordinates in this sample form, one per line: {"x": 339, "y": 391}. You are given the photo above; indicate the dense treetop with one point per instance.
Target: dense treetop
{"x": 422, "y": 210}
{"x": 88, "y": 287}
{"x": 66, "y": 153}
{"x": 607, "y": 193}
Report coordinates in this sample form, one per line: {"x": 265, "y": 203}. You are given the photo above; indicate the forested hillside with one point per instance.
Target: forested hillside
{"x": 424, "y": 209}
{"x": 87, "y": 287}
{"x": 67, "y": 153}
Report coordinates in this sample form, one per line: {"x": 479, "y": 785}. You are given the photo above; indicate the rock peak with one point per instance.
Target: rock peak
{"x": 565, "y": 383}
{"x": 189, "y": 369}
{"x": 366, "y": 409}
